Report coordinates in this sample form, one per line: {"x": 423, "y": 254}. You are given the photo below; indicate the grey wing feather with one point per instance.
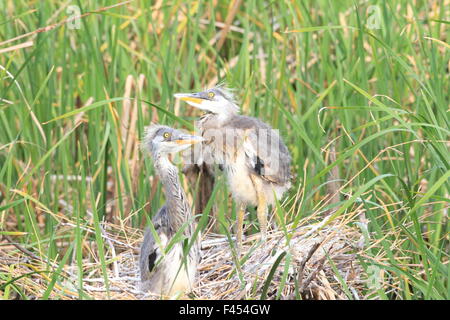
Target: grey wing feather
{"x": 149, "y": 254}
{"x": 267, "y": 155}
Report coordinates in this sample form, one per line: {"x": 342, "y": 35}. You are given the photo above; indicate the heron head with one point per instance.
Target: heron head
{"x": 159, "y": 139}
{"x": 217, "y": 100}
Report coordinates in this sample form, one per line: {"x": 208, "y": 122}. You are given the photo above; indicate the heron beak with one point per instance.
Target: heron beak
{"x": 189, "y": 97}
{"x": 189, "y": 139}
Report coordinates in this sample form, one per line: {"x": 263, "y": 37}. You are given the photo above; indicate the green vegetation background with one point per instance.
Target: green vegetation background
{"x": 360, "y": 95}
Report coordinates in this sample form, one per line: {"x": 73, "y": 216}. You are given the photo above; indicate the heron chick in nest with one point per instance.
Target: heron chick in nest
{"x": 165, "y": 267}
{"x": 255, "y": 159}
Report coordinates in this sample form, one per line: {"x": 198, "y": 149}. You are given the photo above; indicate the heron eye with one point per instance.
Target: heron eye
{"x": 166, "y": 135}
{"x": 211, "y": 95}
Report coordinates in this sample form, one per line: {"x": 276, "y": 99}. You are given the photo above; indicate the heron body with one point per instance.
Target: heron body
{"x": 167, "y": 279}
{"x": 248, "y": 149}
{"x": 166, "y": 271}
{"x": 255, "y": 159}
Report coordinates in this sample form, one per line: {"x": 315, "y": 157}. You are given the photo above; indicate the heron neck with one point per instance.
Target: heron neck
{"x": 216, "y": 120}
{"x": 177, "y": 206}
{"x": 223, "y": 118}
{"x": 229, "y": 112}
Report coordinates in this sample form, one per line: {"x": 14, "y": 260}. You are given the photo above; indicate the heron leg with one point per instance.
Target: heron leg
{"x": 262, "y": 215}
{"x": 261, "y": 210}
{"x": 240, "y": 226}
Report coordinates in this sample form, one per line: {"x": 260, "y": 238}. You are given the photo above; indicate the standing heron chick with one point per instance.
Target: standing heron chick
{"x": 166, "y": 271}
{"x": 255, "y": 159}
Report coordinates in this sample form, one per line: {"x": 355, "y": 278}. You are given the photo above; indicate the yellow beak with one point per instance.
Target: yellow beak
{"x": 188, "y": 139}
{"x": 195, "y": 100}
{"x": 188, "y": 97}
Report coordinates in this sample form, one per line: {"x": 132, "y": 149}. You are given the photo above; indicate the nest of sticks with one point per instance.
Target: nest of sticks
{"x": 318, "y": 262}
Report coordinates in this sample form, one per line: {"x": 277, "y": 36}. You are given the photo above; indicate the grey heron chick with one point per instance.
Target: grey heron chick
{"x": 166, "y": 271}
{"x": 255, "y": 159}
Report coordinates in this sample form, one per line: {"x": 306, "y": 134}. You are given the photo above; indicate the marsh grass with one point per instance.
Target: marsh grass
{"x": 363, "y": 111}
